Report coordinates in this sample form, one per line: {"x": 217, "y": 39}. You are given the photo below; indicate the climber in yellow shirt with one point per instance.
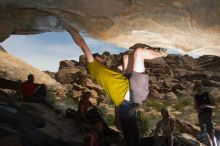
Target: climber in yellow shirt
{"x": 125, "y": 93}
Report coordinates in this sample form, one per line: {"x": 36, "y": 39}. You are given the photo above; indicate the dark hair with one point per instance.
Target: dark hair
{"x": 30, "y": 76}
{"x": 164, "y": 110}
{"x": 139, "y": 45}
{"x": 96, "y": 55}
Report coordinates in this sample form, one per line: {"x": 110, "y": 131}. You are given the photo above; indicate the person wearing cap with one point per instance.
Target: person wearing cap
{"x": 126, "y": 93}
{"x": 167, "y": 125}
{"x": 204, "y": 103}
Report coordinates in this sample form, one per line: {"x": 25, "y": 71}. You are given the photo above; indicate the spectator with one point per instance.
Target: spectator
{"x": 33, "y": 92}
{"x": 167, "y": 125}
{"x": 204, "y": 103}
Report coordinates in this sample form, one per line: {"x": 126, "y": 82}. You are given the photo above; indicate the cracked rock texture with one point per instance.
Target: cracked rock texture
{"x": 186, "y": 25}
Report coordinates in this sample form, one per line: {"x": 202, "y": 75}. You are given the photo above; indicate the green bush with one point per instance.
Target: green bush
{"x": 218, "y": 99}
{"x": 154, "y": 103}
{"x": 182, "y": 103}
{"x": 51, "y": 96}
{"x": 143, "y": 124}
{"x": 110, "y": 119}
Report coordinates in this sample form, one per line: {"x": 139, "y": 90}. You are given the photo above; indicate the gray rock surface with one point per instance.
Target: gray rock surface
{"x": 186, "y": 25}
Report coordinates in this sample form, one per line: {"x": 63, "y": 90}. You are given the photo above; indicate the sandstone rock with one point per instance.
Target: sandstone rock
{"x": 178, "y": 86}
{"x": 184, "y": 127}
{"x": 189, "y": 62}
{"x": 210, "y": 83}
{"x": 2, "y": 49}
{"x": 215, "y": 77}
{"x": 171, "y": 96}
{"x": 70, "y": 72}
{"x": 156, "y": 63}
{"x": 195, "y": 76}
{"x": 188, "y": 140}
{"x": 67, "y": 64}
{"x": 93, "y": 101}
{"x": 51, "y": 74}
{"x": 154, "y": 94}
{"x": 6, "y": 29}
{"x": 181, "y": 93}
{"x": 82, "y": 60}
{"x": 64, "y": 129}
{"x": 106, "y": 53}
{"x": 174, "y": 61}
{"x": 177, "y": 61}
{"x": 171, "y": 24}
{"x": 209, "y": 63}
{"x": 10, "y": 141}
{"x": 12, "y": 68}
{"x": 155, "y": 87}
{"x": 152, "y": 79}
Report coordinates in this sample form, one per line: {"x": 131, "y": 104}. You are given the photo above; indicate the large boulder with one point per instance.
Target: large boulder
{"x": 75, "y": 74}
{"x": 2, "y": 49}
{"x": 171, "y": 24}
{"x": 70, "y": 72}
{"x": 185, "y": 127}
{"x": 208, "y": 63}
{"x": 13, "y": 69}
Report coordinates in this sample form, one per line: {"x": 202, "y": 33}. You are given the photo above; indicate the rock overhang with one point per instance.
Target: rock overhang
{"x": 186, "y": 25}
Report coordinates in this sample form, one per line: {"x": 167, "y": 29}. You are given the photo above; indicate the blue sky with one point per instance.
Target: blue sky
{"x": 45, "y": 51}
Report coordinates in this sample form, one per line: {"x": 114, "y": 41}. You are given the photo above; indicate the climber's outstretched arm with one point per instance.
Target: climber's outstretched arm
{"x": 78, "y": 39}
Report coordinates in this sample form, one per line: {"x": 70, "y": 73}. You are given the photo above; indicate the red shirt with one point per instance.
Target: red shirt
{"x": 28, "y": 89}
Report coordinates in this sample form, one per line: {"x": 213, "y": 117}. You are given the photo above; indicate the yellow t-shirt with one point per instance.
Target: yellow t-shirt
{"x": 115, "y": 84}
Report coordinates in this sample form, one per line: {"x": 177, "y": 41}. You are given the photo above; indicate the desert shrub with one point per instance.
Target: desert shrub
{"x": 143, "y": 124}
{"x": 51, "y": 96}
{"x": 110, "y": 119}
{"x": 182, "y": 103}
{"x": 218, "y": 99}
{"x": 154, "y": 103}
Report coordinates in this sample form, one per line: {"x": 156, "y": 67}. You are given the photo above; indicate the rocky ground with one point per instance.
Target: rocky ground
{"x": 171, "y": 82}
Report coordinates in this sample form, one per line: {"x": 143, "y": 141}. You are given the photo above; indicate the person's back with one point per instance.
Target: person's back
{"x": 166, "y": 126}
{"x": 201, "y": 100}
{"x": 204, "y": 103}
{"x": 28, "y": 89}
{"x": 115, "y": 84}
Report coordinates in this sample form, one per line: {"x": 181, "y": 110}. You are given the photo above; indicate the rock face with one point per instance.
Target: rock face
{"x": 171, "y": 78}
{"x": 26, "y": 124}
{"x": 56, "y": 126}
{"x": 2, "y": 49}
{"x": 184, "y": 24}
{"x": 75, "y": 75}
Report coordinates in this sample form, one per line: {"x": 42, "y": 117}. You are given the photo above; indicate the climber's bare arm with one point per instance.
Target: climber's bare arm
{"x": 78, "y": 39}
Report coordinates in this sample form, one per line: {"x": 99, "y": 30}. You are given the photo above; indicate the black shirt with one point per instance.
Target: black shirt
{"x": 202, "y": 99}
